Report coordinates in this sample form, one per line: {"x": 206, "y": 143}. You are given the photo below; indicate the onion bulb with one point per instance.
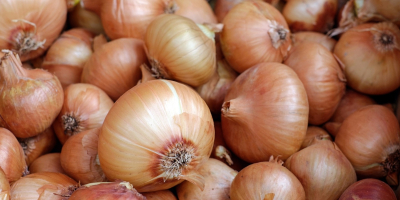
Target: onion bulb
{"x": 218, "y": 178}
{"x": 309, "y": 36}
{"x": 323, "y": 170}
{"x": 370, "y": 139}
{"x": 85, "y": 107}
{"x": 254, "y": 32}
{"x": 81, "y": 18}
{"x": 368, "y": 189}
{"x": 181, "y": 50}
{"x": 67, "y": 56}
{"x": 370, "y": 55}
{"x": 43, "y": 185}
{"x": 47, "y": 163}
{"x": 30, "y": 99}
{"x": 30, "y": 27}
{"x": 158, "y": 134}
{"x": 265, "y": 113}
{"x": 4, "y": 186}
{"x": 159, "y": 195}
{"x": 267, "y": 181}
{"x": 314, "y": 132}
{"x": 322, "y": 77}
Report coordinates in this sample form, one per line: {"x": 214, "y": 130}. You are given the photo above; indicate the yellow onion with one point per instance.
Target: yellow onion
{"x": 218, "y": 178}
{"x": 67, "y": 56}
{"x": 47, "y": 163}
{"x": 309, "y": 36}
{"x": 159, "y": 195}
{"x": 267, "y": 181}
{"x": 81, "y": 18}
{"x": 156, "y": 135}
{"x": 4, "y": 186}
{"x": 85, "y": 107}
{"x": 254, "y": 32}
{"x": 323, "y": 170}
{"x": 368, "y": 189}
{"x": 265, "y": 113}
{"x": 314, "y": 132}
{"x": 30, "y": 99}
{"x": 179, "y": 49}
{"x": 30, "y": 27}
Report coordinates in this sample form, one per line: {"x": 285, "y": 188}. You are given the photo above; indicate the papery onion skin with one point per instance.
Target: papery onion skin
{"x": 81, "y": 18}
{"x": 175, "y": 120}
{"x": 323, "y": 170}
{"x": 38, "y": 145}
{"x": 372, "y": 155}
{"x": 4, "y": 186}
{"x": 267, "y": 181}
{"x": 314, "y": 132}
{"x": 47, "y": 163}
{"x": 309, "y": 36}
{"x": 159, "y": 195}
{"x": 322, "y": 77}
{"x": 218, "y": 177}
{"x": 115, "y": 66}
{"x": 42, "y": 185}
{"x": 370, "y": 55}
{"x": 368, "y": 189}
{"x": 254, "y": 32}
{"x": 38, "y": 24}
{"x": 180, "y": 50}
{"x": 377, "y": 10}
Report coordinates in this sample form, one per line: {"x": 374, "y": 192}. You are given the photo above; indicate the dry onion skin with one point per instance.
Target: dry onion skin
{"x": 85, "y": 107}
{"x": 267, "y": 181}
{"x": 370, "y": 139}
{"x": 309, "y": 36}
{"x": 30, "y": 99}
{"x": 322, "y": 77}
{"x": 254, "y": 32}
{"x": 114, "y": 67}
{"x": 179, "y": 49}
{"x": 47, "y": 163}
{"x": 218, "y": 177}
{"x": 370, "y": 55}
{"x": 4, "y": 186}
{"x": 43, "y": 185}
{"x": 30, "y": 27}
{"x": 265, "y": 113}
{"x": 323, "y": 170}
{"x": 315, "y": 132}
{"x": 81, "y": 18}
{"x": 160, "y": 195}
{"x": 156, "y": 135}
{"x": 368, "y": 189}
{"x": 67, "y": 56}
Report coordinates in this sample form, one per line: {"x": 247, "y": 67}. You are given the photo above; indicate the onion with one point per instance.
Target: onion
{"x": 370, "y": 55}
{"x": 168, "y": 136}
{"x": 160, "y": 195}
{"x": 322, "y": 77}
{"x": 323, "y": 170}
{"x": 218, "y": 178}
{"x": 308, "y": 36}
{"x": 4, "y": 186}
{"x": 47, "y": 163}
{"x": 81, "y": 18}
{"x": 268, "y": 181}
{"x": 115, "y": 66}
{"x": 30, "y": 27}
{"x": 314, "y": 132}
{"x": 310, "y": 15}
{"x": 85, "y": 107}
{"x": 372, "y": 155}
{"x": 254, "y": 32}
{"x": 181, "y": 50}
{"x": 67, "y": 56}
{"x": 42, "y": 185}
{"x": 265, "y": 113}
{"x": 79, "y": 157}
{"x": 30, "y": 99}
{"x": 104, "y": 190}
{"x": 368, "y": 189}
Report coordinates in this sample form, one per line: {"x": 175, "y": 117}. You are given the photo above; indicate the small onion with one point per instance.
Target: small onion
{"x": 156, "y": 135}
{"x": 160, "y": 195}
{"x": 314, "y": 132}
{"x": 368, "y": 189}
{"x": 47, "y": 163}
{"x": 267, "y": 181}
{"x": 308, "y": 36}
{"x": 4, "y": 186}
{"x": 218, "y": 178}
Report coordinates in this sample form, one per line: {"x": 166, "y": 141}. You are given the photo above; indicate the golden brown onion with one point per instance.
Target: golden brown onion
{"x": 47, "y": 163}
{"x": 81, "y": 18}
{"x": 314, "y": 132}
{"x": 309, "y": 36}
{"x": 4, "y": 186}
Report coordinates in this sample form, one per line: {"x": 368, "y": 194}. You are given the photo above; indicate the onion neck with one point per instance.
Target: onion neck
{"x": 11, "y": 70}
{"x": 170, "y": 7}
{"x": 158, "y": 70}
{"x": 386, "y": 37}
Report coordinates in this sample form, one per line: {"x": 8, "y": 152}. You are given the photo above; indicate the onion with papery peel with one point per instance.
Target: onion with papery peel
{"x": 81, "y": 18}
{"x": 4, "y": 186}
{"x": 368, "y": 189}
{"x": 159, "y": 195}
{"x": 314, "y": 132}
{"x": 309, "y": 36}
{"x": 47, "y": 163}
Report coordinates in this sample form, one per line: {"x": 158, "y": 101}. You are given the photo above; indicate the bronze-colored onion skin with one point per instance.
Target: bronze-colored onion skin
{"x": 107, "y": 191}
{"x": 365, "y": 149}
{"x": 265, "y": 113}
{"x": 245, "y": 38}
{"x": 309, "y": 36}
{"x": 81, "y": 18}
{"x": 323, "y": 170}
{"x": 4, "y": 186}
{"x": 30, "y": 99}
{"x": 38, "y": 145}
{"x": 368, "y": 189}
{"x": 310, "y": 15}
{"x": 370, "y": 67}
{"x": 68, "y": 54}
{"x": 322, "y": 77}
{"x": 160, "y": 195}
{"x": 267, "y": 181}
{"x": 222, "y": 7}
{"x": 47, "y": 163}
{"x": 78, "y": 157}
{"x": 12, "y": 158}
{"x": 42, "y": 185}
{"x": 314, "y": 132}
{"x": 218, "y": 176}
{"x": 115, "y": 66}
